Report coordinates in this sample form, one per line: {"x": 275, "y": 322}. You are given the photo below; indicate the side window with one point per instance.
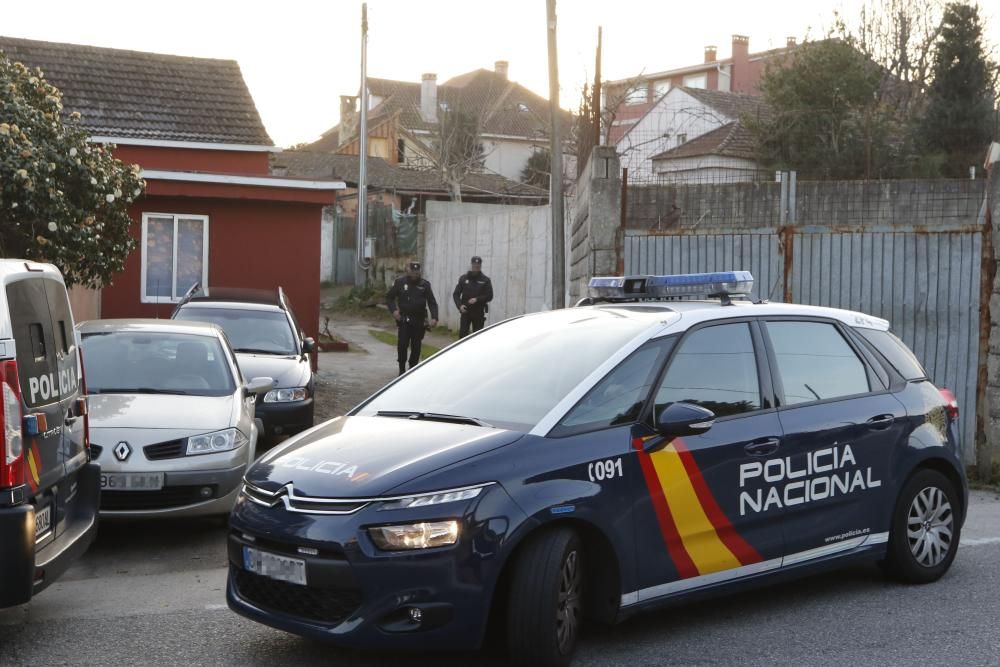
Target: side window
{"x": 895, "y": 352}
{"x": 619, "y": 397}
{"x": 715, "y": 368}
{"x": 815, "y": 363}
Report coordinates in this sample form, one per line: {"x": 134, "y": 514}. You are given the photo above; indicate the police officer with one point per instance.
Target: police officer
{"x": 472, "y": 294}
{"x": 408, "y": 300}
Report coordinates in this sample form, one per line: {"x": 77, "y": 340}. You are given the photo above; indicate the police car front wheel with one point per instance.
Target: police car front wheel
{"x": 545, "y": 608}
{"x": 925, "y": 528}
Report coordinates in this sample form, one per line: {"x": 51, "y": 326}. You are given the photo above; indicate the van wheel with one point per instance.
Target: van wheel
{"x": 925, "y": 529}
{"x": 545, "y": 609}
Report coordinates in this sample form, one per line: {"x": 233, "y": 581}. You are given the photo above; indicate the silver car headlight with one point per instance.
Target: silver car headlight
{"x": 287, "y": 395}
{"x": 423, "y": 535}
{"x": 219, "y": 441}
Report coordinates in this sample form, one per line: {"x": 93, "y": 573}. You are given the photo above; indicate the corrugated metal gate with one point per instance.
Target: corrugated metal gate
{"x": 925, "y": 283}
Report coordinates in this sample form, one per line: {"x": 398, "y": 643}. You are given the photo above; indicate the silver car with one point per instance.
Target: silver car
{"x": 171, "y": 419}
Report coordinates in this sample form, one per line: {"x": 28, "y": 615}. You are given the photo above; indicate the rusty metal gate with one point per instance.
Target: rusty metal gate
{"x": 926, "y": 283}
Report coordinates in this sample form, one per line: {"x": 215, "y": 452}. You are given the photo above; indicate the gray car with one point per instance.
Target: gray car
{"x": 171, "y": 418}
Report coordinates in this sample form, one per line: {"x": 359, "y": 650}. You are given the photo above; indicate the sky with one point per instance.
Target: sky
{"x": 299, "y": 56}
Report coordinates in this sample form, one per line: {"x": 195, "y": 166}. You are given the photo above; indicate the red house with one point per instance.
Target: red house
{"x": 211, "y": 212}
{"x": 741, "y": 72}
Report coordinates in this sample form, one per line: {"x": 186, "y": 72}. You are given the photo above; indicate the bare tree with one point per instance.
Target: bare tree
{"x": 456, "y": 150}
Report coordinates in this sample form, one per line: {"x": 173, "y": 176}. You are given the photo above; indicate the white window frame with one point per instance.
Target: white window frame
{"x": 696, "y": 81}
{"x": 661, "y": 88}
{"x": 175, "y": 297}
{"x": 637, "y": 95}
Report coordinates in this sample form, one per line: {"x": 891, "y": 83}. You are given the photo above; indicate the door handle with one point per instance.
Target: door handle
{"x": 880, "y": 422}
{"x": 762, "y": 447}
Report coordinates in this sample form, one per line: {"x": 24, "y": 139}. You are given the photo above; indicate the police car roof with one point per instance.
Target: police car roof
{"x": 138, "y": 325}
{"x": 692, "y": 312}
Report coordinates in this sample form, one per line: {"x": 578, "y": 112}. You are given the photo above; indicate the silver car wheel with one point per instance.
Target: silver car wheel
{"x": 929, "y": 526}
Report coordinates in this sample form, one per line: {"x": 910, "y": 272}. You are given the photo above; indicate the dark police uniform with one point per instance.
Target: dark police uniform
{"x": 473, "y": 285}
{"x": 412, "y": 297}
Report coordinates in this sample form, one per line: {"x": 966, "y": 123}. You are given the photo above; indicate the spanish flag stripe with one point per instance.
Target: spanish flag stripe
{"x": 671, "y": 537}
{"x": 701, "y": 541}
{"x": 732, "y": 539}
{"x": 33, "y": 477}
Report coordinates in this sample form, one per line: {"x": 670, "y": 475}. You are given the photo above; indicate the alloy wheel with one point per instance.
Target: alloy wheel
{"x": 930, "y": 526}
{"x": 569, "y": 608}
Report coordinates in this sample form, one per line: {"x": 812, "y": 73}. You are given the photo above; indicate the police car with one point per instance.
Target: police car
{"x": 593, "y": 462}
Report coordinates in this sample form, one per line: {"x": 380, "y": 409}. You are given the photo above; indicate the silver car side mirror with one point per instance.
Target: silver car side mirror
{"x": 258, "y": 385}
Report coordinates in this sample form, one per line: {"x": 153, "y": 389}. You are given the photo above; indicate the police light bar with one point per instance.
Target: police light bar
{"x": 719, "y": 284}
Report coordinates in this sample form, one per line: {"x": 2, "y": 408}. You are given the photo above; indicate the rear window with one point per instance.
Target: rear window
{"x": 895, "y": 352}
{"x": 249, "y": 331}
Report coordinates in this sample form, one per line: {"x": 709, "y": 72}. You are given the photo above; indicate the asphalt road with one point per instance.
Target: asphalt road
{"x": 152, "y": 593}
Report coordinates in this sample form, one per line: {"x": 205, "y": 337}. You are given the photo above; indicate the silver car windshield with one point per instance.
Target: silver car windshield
{"x": 249, "y": 331}
{"x": 128, "y": 362}
{"x": 512, "y": 375}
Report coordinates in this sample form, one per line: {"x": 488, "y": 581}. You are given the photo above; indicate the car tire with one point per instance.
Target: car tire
{"x": 545, "y": 607}
{"x": 926, "y": 529}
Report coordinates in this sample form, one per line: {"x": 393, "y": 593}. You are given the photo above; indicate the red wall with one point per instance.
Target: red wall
{"x": 193, "y": 159}
{"x": 250, "y": 244}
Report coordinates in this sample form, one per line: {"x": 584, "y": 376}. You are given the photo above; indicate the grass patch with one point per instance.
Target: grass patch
{"x": 426, "y": 350}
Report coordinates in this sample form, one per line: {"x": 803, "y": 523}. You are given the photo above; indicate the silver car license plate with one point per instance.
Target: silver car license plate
{"x": 131, "y": 481}
{"x": 274, "y": 566}
{"x": 43, "y": 521}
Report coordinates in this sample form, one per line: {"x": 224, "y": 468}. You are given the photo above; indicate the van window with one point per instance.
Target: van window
{"x": 32, "y": 328}
{"x": 37, "y": 336}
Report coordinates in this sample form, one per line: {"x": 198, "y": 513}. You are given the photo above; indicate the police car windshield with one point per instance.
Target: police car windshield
{"x": 249, "y": 331}
{"x": 125, "y": 362}
{"x": 512, "y": 375}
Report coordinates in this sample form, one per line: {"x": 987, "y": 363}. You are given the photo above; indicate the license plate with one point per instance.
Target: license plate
{"x": 43, "y": 521}
{"x": 132, "y": 481}
{"x": 274, "y": 566}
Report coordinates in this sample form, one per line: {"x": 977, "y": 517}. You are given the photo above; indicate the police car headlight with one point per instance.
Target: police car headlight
{"x": 220, "y": 441}
{"x": 438, "y": 498}
{"x": 423, "y": 535}
{"x": 286, "y": 395}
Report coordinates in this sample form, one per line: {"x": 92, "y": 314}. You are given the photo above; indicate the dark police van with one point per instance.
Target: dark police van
{"x": 49, "y": 489}
{"x": 594, "y": 462}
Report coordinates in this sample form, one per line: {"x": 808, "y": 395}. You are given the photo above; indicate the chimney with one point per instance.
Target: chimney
{"x": 740, "y": 81}
{"x": 501, "y": 67}
{"x": 710, "y": 54}
{"x": 429, "y": 98}
{"x": 790, "y": 42}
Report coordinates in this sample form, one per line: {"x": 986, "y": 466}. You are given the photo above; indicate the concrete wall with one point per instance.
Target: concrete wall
{"x": 438, "y": 210}
{"x": 988, "y": 444}
{"x": 327, "y": 243}
{"x": 515, "y": 245}
{"x": 594, "y": 233}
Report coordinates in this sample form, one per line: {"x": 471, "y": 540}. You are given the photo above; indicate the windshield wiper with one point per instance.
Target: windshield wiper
{"x": 432, "y": 416}
{"x": 253, "y": 350}
{"x": 138, "y": 390}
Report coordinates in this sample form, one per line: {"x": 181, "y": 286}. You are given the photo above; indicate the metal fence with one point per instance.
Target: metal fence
{"x": 926, "y": 283}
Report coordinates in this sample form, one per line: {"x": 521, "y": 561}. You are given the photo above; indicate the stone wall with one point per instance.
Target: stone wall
{"x": 594, "y": 236}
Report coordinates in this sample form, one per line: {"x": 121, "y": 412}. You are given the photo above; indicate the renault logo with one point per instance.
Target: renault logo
{"x": 122, "y": 450}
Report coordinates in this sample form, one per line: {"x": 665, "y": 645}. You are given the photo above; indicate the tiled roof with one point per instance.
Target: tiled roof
{"x": 385, "y": 176}
{"x": 731, "y": 105}
{"x": 147, "y": 95}
{"x": 730, "y": 140}
{"x": 504, "y": 107}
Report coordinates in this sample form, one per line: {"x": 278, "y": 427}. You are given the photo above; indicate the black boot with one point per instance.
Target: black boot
{"x": 402, "y": 368}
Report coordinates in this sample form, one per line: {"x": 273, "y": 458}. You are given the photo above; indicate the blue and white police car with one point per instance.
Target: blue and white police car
{"x": 597, "y": 461}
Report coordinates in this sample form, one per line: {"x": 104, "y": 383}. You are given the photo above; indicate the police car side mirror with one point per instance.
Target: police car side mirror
{"x": 681, "y": 419}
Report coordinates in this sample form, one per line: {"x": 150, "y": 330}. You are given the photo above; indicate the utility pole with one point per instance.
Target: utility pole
{"x": 362, "y": 229}
{"x": 595, "y": 99}
{"x": 556, "y": 177}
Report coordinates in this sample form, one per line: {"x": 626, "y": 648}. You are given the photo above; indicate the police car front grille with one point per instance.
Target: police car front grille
{"x": 166, "y": 498}
{"x": 295, "y": 502}
{"x": 165, "y": 450}
{"x": 329, "y": 606}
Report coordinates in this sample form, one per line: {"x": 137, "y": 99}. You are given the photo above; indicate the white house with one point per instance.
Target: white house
{"x": 678, "y": 117}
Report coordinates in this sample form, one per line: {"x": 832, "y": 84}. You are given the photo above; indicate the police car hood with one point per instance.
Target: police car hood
{"x": 357, "y": 457}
